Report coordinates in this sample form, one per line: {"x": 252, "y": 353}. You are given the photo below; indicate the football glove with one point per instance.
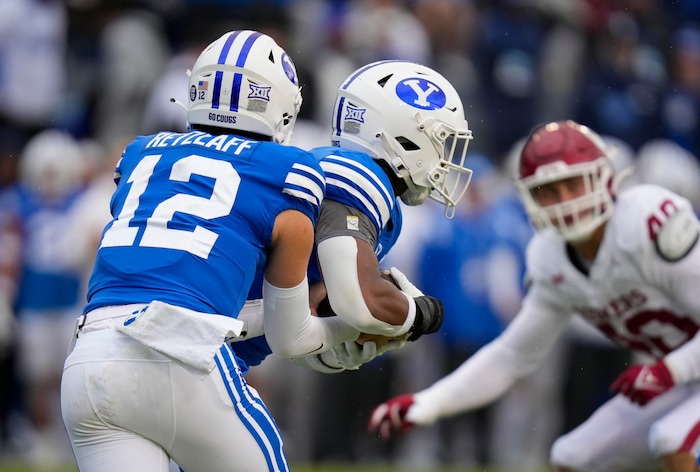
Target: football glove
{"x": 346, "y": 356}
{"x": 391, "y": 415}
{"x": 643, "y": 383}
{"x": 429, "y": 316}
{"x": 351, "y": 355}
{"x": 404, "y": 284}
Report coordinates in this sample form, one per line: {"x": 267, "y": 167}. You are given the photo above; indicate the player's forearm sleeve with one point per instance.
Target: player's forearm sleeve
{"x": 338, "y": 260}
{"x": 290, "y": 329}
{"x": 684, "y": 362}
{"x": 490, "y": 372}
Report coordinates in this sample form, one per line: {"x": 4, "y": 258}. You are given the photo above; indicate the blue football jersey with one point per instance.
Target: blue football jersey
{"x": 50, "y": 273}
{"x": 355, "y": 179}
{"x": 192, "y": 218}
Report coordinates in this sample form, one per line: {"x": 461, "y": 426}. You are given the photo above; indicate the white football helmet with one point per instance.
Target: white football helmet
{"x": 52, "y": 164}
{"x": 563, "y": 150}
{"x": 245, "y": 81}
{"x": 411, "y": 117}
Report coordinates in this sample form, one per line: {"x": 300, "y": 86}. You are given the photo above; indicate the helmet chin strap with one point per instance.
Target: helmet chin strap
{"x": 414, "y": 195}
{"x": 395, "y": 160}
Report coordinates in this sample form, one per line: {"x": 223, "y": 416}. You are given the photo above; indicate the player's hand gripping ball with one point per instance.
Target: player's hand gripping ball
{"x": 384, "y": 343}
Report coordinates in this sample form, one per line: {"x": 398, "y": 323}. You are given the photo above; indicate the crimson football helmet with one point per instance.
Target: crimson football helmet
{"x": 559, "y": 151}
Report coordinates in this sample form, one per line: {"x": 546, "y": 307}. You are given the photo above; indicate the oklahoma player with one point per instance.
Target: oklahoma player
{"x": 630, "y": 265}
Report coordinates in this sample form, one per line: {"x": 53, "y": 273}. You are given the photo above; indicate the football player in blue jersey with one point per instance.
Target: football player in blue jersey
{"x": 196, "y": 216}
{"x": 398, "y": 132}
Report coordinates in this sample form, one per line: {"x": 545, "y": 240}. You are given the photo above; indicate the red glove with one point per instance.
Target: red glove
{"x": 391, "y": 415}
{"x": 643, "y": 383}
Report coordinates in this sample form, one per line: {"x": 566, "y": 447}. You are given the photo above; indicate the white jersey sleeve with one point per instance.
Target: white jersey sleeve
{"x": 488, "y": 374}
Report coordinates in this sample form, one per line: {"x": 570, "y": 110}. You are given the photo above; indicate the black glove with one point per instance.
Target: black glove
{"x": 324, "y": 309}
{"x": 429, "y": 316}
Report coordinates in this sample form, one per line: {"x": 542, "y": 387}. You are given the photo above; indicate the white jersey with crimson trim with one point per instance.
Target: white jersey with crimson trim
{"x": 633, "y": 293}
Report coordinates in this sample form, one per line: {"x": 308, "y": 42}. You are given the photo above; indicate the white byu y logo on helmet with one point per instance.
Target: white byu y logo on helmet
{"x": 421, "y": 93}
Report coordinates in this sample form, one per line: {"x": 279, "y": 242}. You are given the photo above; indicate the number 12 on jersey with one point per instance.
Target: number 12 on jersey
{"x": 156, "y": 232}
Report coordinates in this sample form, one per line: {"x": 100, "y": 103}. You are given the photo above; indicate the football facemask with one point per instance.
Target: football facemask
{"x": 566, "y": 150}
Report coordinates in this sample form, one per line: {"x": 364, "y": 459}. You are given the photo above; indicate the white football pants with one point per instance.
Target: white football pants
{"x": 127, "y": 407}
{"x": 622, "y": 435}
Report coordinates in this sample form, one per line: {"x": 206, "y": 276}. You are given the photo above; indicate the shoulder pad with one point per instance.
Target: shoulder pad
{"x": 545, "y": 254}
{"x": 678, "y": 235}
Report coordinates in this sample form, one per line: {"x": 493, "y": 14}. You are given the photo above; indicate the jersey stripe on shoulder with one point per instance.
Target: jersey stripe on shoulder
{"x": 361, "y": 183}
{"x": 306, "y": 183}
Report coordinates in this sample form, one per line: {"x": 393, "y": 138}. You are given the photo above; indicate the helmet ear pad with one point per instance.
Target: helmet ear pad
{"x": 564, "y": 150}
{"x": 408, "y": 116}
{"x": 244, "y": 81}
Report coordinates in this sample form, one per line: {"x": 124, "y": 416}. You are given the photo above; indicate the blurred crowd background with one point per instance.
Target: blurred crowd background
{"x": 81, "y": 78}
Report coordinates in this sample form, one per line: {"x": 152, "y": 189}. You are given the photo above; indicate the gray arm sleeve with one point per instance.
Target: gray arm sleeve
{"x": 338, "y": 219}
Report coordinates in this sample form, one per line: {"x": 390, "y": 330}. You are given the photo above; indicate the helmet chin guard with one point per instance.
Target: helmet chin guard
{"x": 411, "y": 117}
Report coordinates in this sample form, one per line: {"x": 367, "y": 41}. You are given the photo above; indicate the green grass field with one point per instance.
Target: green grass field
{"x": 324, "y": 468}
{"x": 298, "y": 468}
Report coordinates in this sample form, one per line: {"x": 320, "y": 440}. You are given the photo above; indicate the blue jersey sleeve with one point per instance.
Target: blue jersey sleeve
{"x": 355, "y": 179}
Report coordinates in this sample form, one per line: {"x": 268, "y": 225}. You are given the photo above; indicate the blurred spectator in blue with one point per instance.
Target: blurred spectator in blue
{"x": 357, "y": 33}
{"x": 33, "y": 36}
{"x": 375, "y": 30}
{"x": 620, "y": 92}
{"x": 680, "y": 109}
{"x": 512, "y": 34}
{"x": 47, "y": 284}
{"x": 133, "y": 54}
